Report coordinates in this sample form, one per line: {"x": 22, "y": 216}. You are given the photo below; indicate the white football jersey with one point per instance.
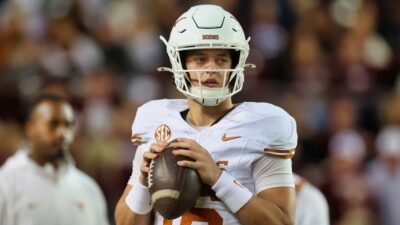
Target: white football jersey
{"x": 253, "y": 143}
{"x": 31, "y": 194}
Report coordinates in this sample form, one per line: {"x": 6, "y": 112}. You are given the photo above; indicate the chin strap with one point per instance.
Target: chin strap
{"x": 209, "y": 96}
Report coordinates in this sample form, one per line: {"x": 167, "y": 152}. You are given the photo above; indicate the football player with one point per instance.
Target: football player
{"x": 241, "y": 151}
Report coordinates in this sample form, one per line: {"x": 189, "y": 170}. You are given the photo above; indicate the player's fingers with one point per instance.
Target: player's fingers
{"x": 185, "y": 144}
{"x": 149, "y": 155}
{"x": 180, "y": 144}
{"x": 184, "y": 152}
{"x": 144, "y": 168}
{"x": 146, "y": 163}
{"x": 156, "y": 147}
{"x": 185, "y": 140}
{"x": 162, "y": 143}
{"x": 189, "y": 164}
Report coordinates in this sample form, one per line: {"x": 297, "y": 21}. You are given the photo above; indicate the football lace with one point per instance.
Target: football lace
{"x": 150, "y": 176}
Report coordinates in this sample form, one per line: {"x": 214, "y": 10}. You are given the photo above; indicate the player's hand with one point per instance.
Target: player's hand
{"x": 153, "y": 152}
{"x": 202, "y": 161}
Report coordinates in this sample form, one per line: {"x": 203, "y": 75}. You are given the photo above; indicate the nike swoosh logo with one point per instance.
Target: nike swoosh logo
{"x": 225, "y": 138}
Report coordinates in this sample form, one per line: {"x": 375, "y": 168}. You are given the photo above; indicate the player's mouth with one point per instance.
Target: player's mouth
{"x": 210, "y": 82}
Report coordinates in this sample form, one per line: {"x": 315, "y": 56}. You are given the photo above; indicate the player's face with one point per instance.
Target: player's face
{"x": 50, "y": 129}
{"x": 209, "y": 59}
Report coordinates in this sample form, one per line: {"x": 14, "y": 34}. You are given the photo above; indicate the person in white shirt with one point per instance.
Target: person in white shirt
{"x": 311, "y": 205}
{"x": 241, "y": 152}
{"x": 40, "y": 185}
{"x": 384, "y": 175}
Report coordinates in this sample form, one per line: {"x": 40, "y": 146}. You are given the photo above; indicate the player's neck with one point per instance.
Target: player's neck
{"x": 200, "y": 115}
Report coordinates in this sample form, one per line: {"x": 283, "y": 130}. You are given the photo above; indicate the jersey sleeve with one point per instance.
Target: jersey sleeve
{"x": 140, "y": 126}
{"x": 284, "y": 142}
{"x": 272, "y": 172}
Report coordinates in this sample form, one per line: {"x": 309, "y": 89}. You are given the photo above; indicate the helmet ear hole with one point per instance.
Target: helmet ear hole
{"x": 183, "y": 55}
{"x": 235, "y": 55}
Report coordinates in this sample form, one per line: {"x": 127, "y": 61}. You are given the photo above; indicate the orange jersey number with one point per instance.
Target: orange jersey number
{"x": 199, "y": 215}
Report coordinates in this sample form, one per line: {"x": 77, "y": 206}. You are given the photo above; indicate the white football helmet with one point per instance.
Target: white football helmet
{"x": 207, "y": 27}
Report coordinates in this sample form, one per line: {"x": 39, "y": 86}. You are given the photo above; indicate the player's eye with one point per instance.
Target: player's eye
{"x": 222, "y": 61}
{"x": 199, "y": 60}
{"x": 68, "y": 124}
{"x": 53, "y": 124}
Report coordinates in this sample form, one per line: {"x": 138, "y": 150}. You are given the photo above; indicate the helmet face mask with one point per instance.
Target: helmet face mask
{"x": 208, "y": 96}
{"x": 207, "y": 27}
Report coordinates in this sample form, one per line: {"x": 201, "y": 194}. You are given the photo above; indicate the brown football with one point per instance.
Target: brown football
{"x": 174, "y": 189}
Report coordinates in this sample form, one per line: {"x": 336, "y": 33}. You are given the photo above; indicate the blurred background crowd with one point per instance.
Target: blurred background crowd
{"x": 334, "y": 65}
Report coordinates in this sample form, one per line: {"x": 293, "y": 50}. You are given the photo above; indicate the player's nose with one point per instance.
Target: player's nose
{"x": 211, "y": 66}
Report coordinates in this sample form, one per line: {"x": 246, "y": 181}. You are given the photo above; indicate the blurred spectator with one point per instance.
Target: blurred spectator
{"x": 349, "y": 206}
{"x": 269, "y": 37}
{"x": 384, "y": 175}
{"x": 10, "y": 139}
{"x": 343, "y": 114}
{"x": 41, "y": 176}
{"x": 390, "y": 108}
{"x": 362, "y": 51}
{"x": 310, "y": 70}
{"x": 69, "y": 50}
{"x": 311, "y": 205}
